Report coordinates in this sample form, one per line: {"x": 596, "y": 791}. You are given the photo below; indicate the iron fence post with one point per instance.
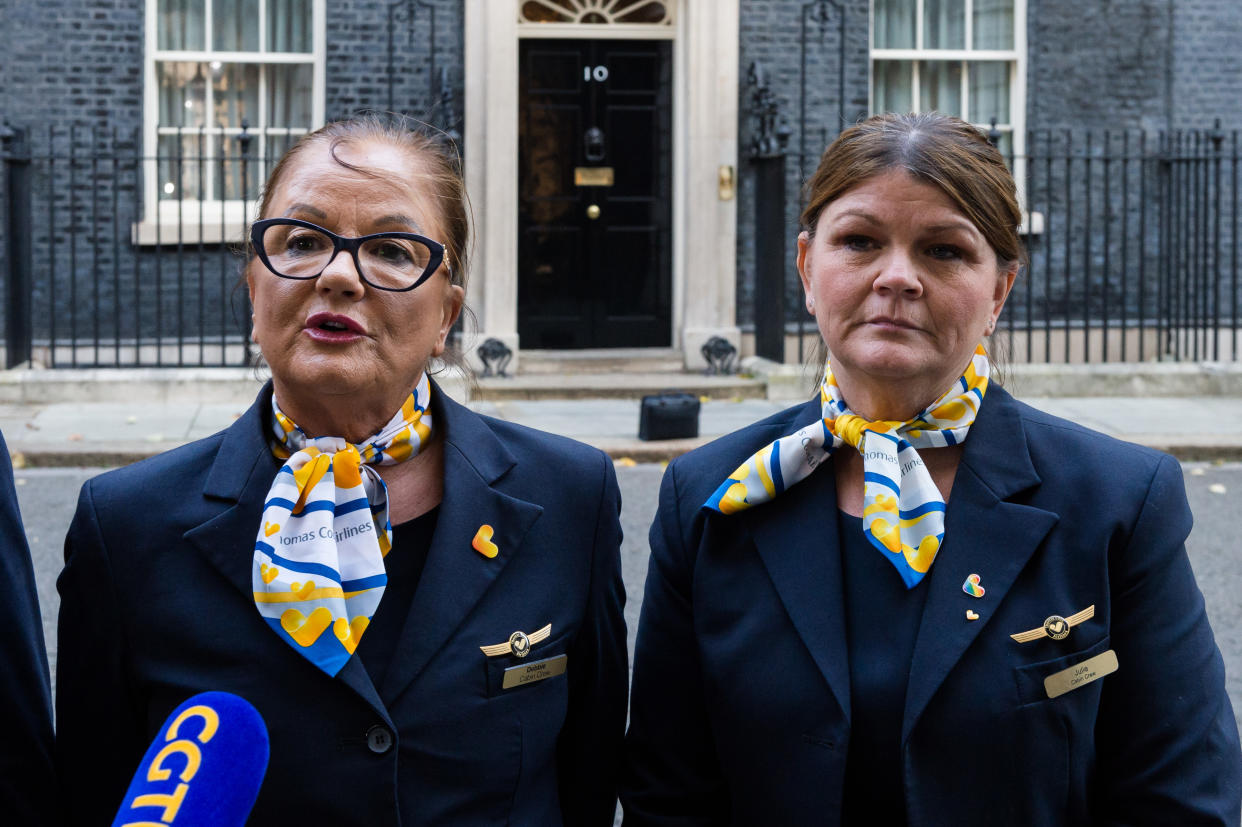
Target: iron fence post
{"x": 767, "y": 153}
{"x": 819, "y": 13}
{"x": 17, "y": 231}
{"x": 243, "y": 142}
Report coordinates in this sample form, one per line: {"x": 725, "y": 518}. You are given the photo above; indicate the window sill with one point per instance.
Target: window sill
{"x": 194, "y": 222}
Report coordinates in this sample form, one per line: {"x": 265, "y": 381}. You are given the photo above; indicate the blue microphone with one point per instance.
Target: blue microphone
{"x": 203, "y": 769}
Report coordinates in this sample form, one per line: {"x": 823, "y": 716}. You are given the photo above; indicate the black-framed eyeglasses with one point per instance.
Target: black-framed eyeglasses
{"x": 296, "y": 249}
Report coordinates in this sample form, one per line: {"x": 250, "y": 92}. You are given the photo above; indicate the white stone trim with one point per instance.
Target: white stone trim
{"x": 705, "y": 227}
{"x": 705, "y": 88}
{"x": 491, "y": 145}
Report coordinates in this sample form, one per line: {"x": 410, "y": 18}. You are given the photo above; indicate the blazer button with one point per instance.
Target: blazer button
{"x": 379, "y": 739}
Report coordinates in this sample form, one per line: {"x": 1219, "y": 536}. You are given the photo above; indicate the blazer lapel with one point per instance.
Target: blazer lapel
{"x": 797, "y": 542}
{"x": 239, "y": 481}
{"x": 984, "y": 535}
{"x": 456, "y": 576}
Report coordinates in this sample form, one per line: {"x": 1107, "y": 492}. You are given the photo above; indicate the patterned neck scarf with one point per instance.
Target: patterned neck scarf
{"x": 903, "y": 512}
{"x": 319, "y": 556}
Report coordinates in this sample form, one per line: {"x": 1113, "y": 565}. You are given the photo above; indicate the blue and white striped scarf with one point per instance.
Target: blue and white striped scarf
{"x": 319, "y": 556}
{"x": 903, "y": 512}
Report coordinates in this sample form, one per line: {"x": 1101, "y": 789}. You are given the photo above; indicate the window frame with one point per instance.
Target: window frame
{"x": 201, "y": 220}
{"x": 1017, "y": 57}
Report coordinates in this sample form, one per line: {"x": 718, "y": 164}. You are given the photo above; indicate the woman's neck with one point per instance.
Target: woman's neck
{"x": 354, "y": 418}
{"x": 892, "y": 400}
{"x": 417, "y": 485}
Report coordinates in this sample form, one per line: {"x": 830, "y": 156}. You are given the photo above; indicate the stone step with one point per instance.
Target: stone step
{"x": 604, "y": 360}
{"x": 615, "y": 385}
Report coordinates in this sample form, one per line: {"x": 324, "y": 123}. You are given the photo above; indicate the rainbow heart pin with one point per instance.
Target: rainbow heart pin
{"x": 972, "y": 587}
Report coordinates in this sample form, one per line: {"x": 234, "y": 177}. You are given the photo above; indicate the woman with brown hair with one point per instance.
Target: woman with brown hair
{"x": 913, "y": 599}
{"x": 424, "y": 604}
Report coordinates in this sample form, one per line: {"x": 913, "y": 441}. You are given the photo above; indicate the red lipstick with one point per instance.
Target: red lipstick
{"x": 333, "y": 328}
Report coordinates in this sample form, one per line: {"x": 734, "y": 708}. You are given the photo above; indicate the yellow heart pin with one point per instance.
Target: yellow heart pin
{"x": 970, "y": 615}
{"x": 482, "y": 542}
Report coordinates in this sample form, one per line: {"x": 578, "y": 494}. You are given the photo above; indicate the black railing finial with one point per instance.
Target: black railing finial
{"x": 245, "y": 138}
{"x": 448, "y": 110}
{"x": 821, "y": 12}
{"x": 772, "y": 130}
{"x": 994, "y": 134}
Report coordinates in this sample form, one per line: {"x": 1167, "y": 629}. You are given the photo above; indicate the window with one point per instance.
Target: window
{"x": 608, "y": 18}
{"x": 214, "y": 65}
{"x": 961, "y": 57}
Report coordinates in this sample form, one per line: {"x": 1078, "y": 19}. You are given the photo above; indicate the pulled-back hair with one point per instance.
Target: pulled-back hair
{"x": 931, "y": 147}
{"x": 437, "y": 159}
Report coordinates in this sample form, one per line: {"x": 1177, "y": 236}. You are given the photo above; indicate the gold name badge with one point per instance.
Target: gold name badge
{"x": 593, "y": 176}
{"x": 531, "y": 672}
{"x": 1082, "y": 674}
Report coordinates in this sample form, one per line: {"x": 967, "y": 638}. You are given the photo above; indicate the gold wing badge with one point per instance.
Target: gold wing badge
{"x": 1055, "y": 626}
{"x": 518, "y": 644}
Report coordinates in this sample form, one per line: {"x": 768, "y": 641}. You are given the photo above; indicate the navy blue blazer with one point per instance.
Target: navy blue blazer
{"x": 157, "y": 605}
{"x": 740, "y": 710}
{"x": 27, "y": 780}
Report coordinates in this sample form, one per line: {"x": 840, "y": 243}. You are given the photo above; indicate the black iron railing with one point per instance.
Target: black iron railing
{"x": 116, "y": 257}
{"x": 1133, "y": 243}
{"x": 133, "y": 259}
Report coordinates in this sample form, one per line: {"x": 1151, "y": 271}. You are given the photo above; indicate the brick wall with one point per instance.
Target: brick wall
{"x": 73, "y": 74}
{"x": 74, "y": 65}
{"x": 1101, "y": 64}
{"x": 771, "y": 34}
{"x": 1207, "y": 63}
{"x": 358, "y": 74}
{"x": 1093, "y": 64}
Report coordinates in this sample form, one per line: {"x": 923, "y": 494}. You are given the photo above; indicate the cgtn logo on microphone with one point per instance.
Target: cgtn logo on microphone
{"x": 204, "y": 768}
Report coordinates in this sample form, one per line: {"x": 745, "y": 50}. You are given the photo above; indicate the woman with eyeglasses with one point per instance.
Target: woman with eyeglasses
{"x": 424, "y": 604}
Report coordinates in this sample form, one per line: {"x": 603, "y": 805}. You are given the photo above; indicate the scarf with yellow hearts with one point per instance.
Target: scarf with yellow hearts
{"x": 319, "y": 558}
{"x": 903, "y": 512}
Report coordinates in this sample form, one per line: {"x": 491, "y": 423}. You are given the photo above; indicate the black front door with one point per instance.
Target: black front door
{"x": 594, "y": 194}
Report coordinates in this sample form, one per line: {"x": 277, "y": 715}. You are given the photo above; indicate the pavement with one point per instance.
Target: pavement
{"x": 105, "y": 417}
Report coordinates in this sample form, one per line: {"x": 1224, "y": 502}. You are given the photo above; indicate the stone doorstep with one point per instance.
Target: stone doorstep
{"x": 763, "y": 379}
{"x": 615, "y": 386}
{"x": 624, "y": 360}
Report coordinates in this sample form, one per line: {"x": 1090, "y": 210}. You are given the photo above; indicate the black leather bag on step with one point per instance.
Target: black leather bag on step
{"x": 669, "y": 415}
